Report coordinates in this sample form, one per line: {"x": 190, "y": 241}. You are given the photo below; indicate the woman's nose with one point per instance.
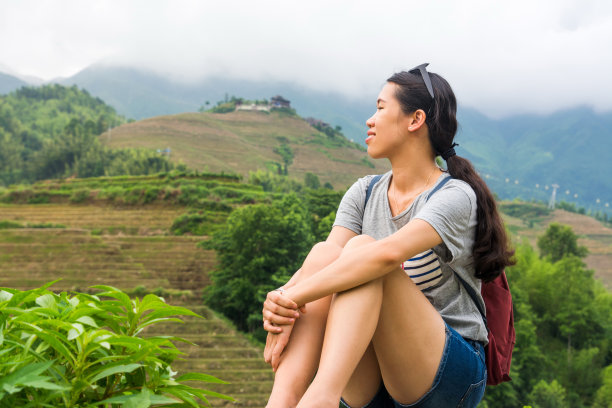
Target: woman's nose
{"x": 370, "y": 122}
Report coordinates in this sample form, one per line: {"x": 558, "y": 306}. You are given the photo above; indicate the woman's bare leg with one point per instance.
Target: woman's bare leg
{"x": 300, "y": 359}
{"x": 406, "y": 332}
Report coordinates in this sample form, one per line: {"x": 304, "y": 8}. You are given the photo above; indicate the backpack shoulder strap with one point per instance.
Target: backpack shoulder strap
{"x": 374, "y": 180}
{"x": 467, "y": 287}
{"x": 474, "y": 297}
{"x": 439, "y": 186}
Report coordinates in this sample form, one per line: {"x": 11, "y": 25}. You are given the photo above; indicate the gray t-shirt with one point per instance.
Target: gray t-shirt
{"x": 451, "y": 211}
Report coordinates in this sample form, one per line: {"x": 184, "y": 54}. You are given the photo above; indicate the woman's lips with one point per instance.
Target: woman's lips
{"x": 370, "y": 137}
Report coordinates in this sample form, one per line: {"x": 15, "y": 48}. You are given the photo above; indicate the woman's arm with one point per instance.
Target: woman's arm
{"x": 366, "y": 263}
{"x": 281, "y": 310}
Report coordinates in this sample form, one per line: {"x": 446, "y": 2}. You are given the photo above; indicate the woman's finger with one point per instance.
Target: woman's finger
{"x": 276, "y": 319}
{"x": 281, "y": 300}
{"x": 270, "y": 344}
{"x": 277, "y": 309}
{"x": 269, "y": 327}
{"x": 277, "y": 351}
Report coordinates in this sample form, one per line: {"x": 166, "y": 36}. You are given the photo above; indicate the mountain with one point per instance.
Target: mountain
{"x": 139, "y": 94}
{"x": 244, "y": 141}
{"x": 523, "y": 156}
{"x": 9, "y": 83}
{"x": 520, "y": 156}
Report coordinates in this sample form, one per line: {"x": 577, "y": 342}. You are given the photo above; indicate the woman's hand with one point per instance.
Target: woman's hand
{"x": 275, "y": 344}
{"x": 279, "y": 311}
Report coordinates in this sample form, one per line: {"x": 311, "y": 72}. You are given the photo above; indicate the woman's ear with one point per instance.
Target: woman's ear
{"x": 417, "y": 119}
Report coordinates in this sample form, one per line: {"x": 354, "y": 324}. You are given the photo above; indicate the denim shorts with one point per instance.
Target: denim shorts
{"x": 460, "y": 381}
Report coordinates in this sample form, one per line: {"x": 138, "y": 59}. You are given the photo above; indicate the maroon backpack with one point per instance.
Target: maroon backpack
{"x": 498, "y": 315}
{"x": 500, "y": 325}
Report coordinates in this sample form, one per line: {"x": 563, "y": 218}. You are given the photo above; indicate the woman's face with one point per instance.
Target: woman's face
{"x": 388, "y": 126}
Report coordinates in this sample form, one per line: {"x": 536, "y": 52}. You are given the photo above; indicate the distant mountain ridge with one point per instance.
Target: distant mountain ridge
{"x": 8, "y": 83}
{"x": 521, "y": 155}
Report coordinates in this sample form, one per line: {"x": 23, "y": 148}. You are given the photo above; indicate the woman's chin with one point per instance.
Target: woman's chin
{"x": 374, "y": 154}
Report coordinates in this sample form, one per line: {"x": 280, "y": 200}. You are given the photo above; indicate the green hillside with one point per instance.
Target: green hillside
{"x": 517, "y": 152}
{"x": 106, "y": 231}
{"x": 51, "y": 132}
{"x": 243, "y": 141}
{"x": 120, "y": 231}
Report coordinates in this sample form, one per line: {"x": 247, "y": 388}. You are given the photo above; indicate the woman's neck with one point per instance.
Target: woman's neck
{"x": 412, "y": 174}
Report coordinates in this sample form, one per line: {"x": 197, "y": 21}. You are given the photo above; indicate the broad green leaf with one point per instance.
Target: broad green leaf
{"x": 117, "y": 294}
{"x": 183, "y": 396}
{"x": 155, "y": 399}
{"x": 76, "y": 331}
{"x": 47, "y": 301}
{"x": 216, "y": 394}
{"x": 123, "y": 368}
{"x": 74, "y": 301}
{"x": 57, "y": 345}
{"x": 5, "y": 296}
{"x": 200, "y": 377}
{"x": 87, "y": 320}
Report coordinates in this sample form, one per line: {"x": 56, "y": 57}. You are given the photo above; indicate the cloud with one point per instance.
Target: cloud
{"x": 501, "y": 58}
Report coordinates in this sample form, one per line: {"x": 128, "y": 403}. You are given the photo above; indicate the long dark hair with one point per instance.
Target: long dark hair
{"x": 491, "y": 251}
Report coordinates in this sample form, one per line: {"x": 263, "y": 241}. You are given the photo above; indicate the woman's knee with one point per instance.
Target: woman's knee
{"x": 321, "y": 255}
{"x": 358, "y": 241}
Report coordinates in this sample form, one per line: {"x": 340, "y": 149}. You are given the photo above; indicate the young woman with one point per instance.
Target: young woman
{"x": 377, "y": 316}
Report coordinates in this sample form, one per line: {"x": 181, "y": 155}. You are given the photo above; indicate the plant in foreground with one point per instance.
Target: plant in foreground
{"x": 82, "y": 350}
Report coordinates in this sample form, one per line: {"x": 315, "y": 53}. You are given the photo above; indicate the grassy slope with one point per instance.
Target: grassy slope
{"x": 240, "y": 142}
{"x": 593, "y": 234}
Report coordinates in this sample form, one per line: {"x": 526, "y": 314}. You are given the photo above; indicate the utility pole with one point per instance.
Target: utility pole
{"x": 551, "y": 203}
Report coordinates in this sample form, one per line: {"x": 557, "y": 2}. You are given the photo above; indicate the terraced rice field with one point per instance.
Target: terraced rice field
{"x": 592, "y": 234}
{"x": 130, "y": 248}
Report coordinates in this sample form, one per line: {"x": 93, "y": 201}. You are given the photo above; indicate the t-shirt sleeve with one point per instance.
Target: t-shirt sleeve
{"x": 351, "y": 208}
{"x": 448, "y": 211}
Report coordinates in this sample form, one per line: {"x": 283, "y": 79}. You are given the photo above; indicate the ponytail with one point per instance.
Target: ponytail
{"x": 491, "y": 251}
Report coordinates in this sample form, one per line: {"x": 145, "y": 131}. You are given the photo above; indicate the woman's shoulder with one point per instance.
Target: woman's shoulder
{"x": 458, "y": 187}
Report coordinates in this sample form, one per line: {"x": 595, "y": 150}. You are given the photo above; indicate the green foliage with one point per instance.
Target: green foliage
{"x": 563, "y": 323}
{"x": 76, "y": 350}
{"x": 311, "y": 180}
{"x": 285, "y": 152}
{"x": 52, "y": 132}
{"x": 261, "y": 246}
{"x": 12, "y": 224}
{"x": 603, "y": 399}
{"x": 548, "y": 395}
{"x": 198, "y": 223}
{"x": 524, "y": 210}
{"x": 559, "y": 241}
{"x": 271, "y": 182}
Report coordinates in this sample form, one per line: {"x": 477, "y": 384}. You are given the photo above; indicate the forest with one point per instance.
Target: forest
{"x": 52, "y": 132}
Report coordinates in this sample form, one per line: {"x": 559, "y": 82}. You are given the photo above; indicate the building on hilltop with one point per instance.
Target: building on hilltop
{"x": 276, "y": 102}
{"x": 317, "y": 123}
{"x": 252, "y": 107}
{"x": 279, "y": 102}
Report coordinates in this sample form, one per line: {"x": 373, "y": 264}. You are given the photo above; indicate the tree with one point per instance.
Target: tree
{"x": 260, "y": 248}
{"x": 311, "y": 180}
{"x": 603, "y": 399}
{"x": 284, "y": 151}
{"x": 558, "y": 241}
{"x": 548, "y": 395}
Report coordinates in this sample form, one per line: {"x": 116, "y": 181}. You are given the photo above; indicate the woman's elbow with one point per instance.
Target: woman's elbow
{"x": 390, "y": 257}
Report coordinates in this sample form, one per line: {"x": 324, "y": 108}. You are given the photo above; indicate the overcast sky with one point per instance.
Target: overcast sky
{"x": 500, "y": 57}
